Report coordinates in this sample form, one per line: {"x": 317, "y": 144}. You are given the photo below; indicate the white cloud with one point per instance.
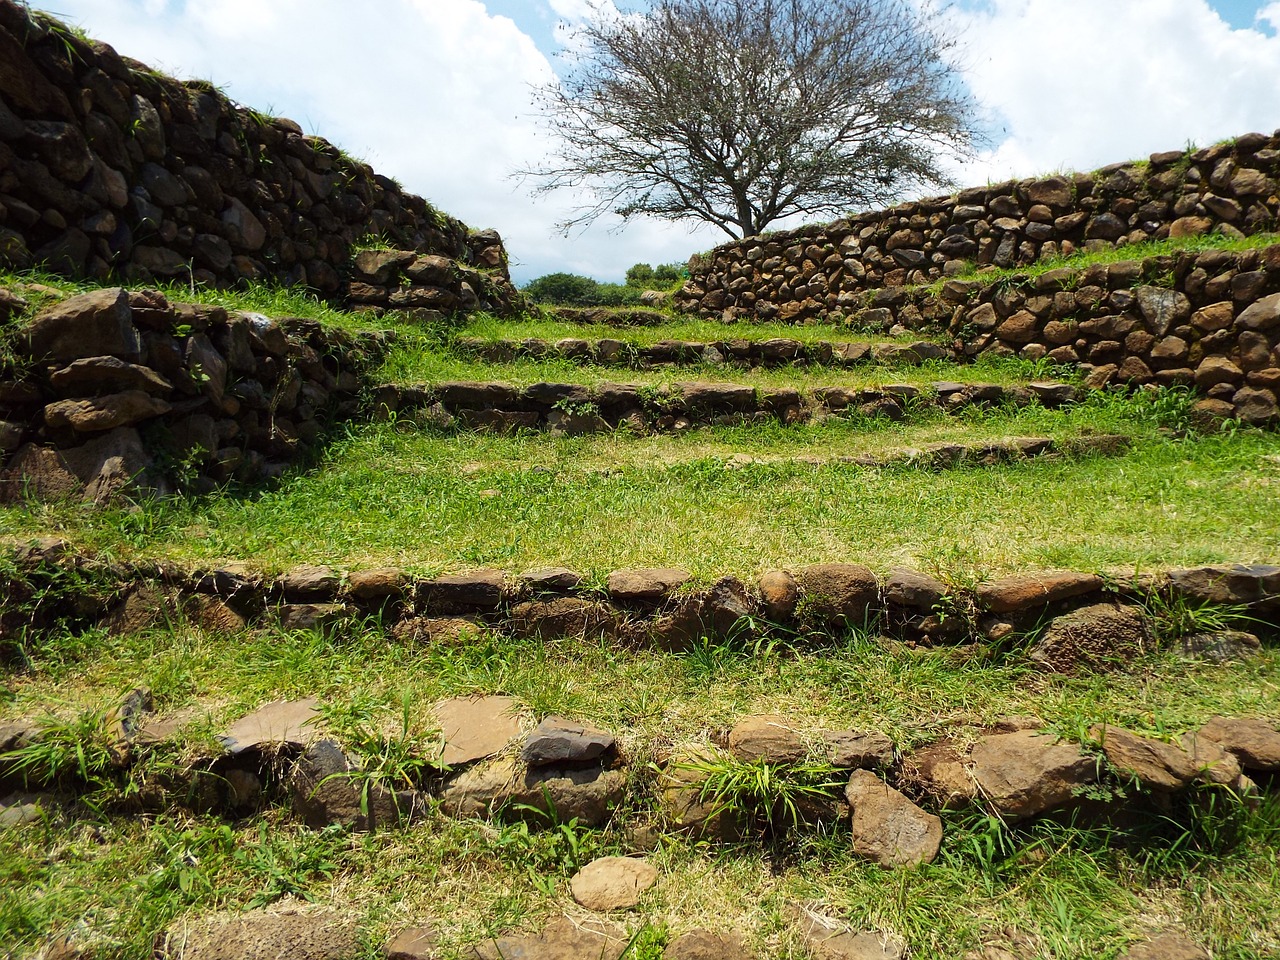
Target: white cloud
{"x": 1270, "y": 14}
{"x": 1081, "y": 86}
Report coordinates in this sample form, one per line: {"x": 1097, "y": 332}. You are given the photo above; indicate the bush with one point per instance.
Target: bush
{"x": 665, "y": 276}
{"x": 570, "y": 290}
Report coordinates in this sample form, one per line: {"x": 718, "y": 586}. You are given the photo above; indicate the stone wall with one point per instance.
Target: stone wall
{"x": 823, "y": 271}
{"x": 111, "y": 170}
{"x": 125, "y": 390}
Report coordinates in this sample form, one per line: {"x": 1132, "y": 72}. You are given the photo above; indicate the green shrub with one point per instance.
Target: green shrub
{"x": 571, "y": 290}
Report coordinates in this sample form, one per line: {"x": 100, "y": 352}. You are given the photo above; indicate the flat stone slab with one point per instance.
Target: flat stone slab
{"x": 612, "y": 883}
{"x": 263, "y": 935}
{"x": 1026, "y": 773}
{"x": 414, "y": 943}
{"x": 562, "y": 939}
{"x": 705, "y": 945}
{"x": 828, "y": 940}
{"x": 474, "y": 728}
{"x": 887, "y": 827}
{"x": 1254, "y": 742}
{"x": 283, "y": 723}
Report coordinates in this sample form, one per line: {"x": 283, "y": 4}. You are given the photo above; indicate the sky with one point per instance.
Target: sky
{"x": 438, "y": 93}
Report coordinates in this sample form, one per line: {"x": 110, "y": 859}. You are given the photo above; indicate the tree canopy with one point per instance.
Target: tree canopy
{"x": 742, "y": 112}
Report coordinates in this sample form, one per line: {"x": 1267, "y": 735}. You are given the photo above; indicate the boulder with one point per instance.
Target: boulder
{"x": 561, "y": 617}
{"x": 779, "y": 593}
{"x": 475, "y": 590}
{"x": 612, "y": 883}
{"x": 308, "y": 583}
{"x": 94, "y": 324}
{"x": 1098, "y": 637}
{"x": 770, "y": 738}
{"x": 588, "y": 794}
{"x": 1026, "y": 773}
{"x": 887, "y": 827}
{"x": 95, "y": 375}
{"x": 557, "y": 740}
{"x": 312, "y": 934}
{"x": 913, "y": 590}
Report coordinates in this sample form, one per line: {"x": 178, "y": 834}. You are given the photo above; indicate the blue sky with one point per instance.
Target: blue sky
{"x": 436, "y": 93}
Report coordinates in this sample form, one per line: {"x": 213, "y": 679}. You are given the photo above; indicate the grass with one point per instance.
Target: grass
{"x": 433, "y": 501}
{"x": 1073, "y": 891}
{"x": 688, "y": 329}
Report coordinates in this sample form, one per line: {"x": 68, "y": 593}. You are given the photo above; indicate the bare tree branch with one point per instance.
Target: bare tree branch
{"x": 742, "y": 112}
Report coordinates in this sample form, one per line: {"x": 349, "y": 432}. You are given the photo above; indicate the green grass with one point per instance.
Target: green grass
{"x": 688, "y": 329}
{"x": 434, "y": 501}
{"x": 1081, "y": 260}
{"x": 1077, "y": 892}
{"x": 429, "y": 363}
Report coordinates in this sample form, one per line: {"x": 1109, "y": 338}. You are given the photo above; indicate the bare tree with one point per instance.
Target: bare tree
{"x": 741, "y": 112}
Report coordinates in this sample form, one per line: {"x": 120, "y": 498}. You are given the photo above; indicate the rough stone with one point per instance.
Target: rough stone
{"x": 92, "y": 375}
{"x": 1236, "y": 584}
{"x": 561, "y": 617}
{"x": 446, "y": 631}
{"x": 92, "y": 324}
{"x": 1098, "y": 637}
{"x": 1261, "y": 315}
{"x": 1169, "y": 946}
{"x": 324, "y": 794}
{"x": 477, "y": 589}
{"x": 612, "y": 883}
{"x": 941, "y": 769}
{"x": 705, "y": 945}
{"x": 561, "y": 741}
{"x": 836, "y": 592}
{"x": 280, "y": 725}
{"x": 587, "y": 793}
{"x": 913, "y": 590}
{"x": 1157, "y": 765}
{"x": 413, "y": 943}
{"x": 551, "y": 580}
{"x": 99, "y": 414}
{"x": 474, "y": 728}
{"x": 780, "y": 593}
{"x": 307, "y": 583}
{"x": 378, "y": 583}
{"x": 1026, "y": 773}
{"x": 1027, "y": 591}
{"x": 562, "y": 939}
{"x": 1253, "y": 741}
{"x": 1221, "y": 646}
{"x": 646, "y": 586}
{"x": 887, "y": 827}
{"x": 770, "y": 738}
{"x": 850, "y": 749}
{"x": 263, "y": 935}
{"x": 828, "y": 940}
{"x": 311, "y": 616}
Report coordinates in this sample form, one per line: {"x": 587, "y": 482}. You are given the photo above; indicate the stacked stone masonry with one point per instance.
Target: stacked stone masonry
{"x": 823, "y": 271}
{"x": 111, "y": 170}
{"x": 125, "y": 390}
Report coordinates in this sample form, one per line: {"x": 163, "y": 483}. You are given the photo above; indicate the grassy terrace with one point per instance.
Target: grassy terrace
{"x": 434, "y": 501}
{"x": 698, "y": 331}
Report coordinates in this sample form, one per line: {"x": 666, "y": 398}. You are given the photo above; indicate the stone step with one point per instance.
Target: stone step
{"x": 573, "y": 409}
{"x": 772, "y": 352}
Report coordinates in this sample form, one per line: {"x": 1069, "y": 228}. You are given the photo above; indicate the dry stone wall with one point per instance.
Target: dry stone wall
{"x": 824, "y": 271}
{"x": 126, "y": 390}
{"x": 111, "y": 170}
